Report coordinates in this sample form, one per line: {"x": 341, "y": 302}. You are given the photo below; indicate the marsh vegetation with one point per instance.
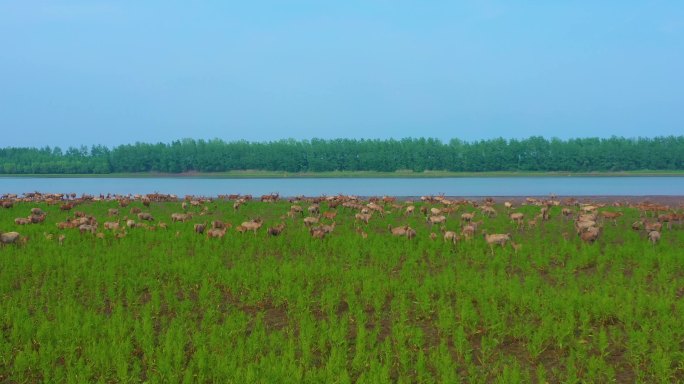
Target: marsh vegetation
{"x": 370, "y": 291}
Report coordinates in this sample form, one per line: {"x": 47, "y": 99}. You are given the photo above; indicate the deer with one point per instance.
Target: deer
{"x": 611, "y": 216}
{"x": 581, "y": 226}
{"x": 489, "y": 211}
{"x": 217, "y": 224}
{"x": 277, "y": 230}
{"x": 199, "y": 228}
{"x": 468, "y": 231}
{"x": 330, "y": 215}
{"x": 111, "y": 225}
{"x": 590, "y": 234}
{"x": 317, "y": 233}
{"x": 654, "y": 237}
{"x": 652, "y": 226}
{"x": 145, "y": 216}
{"x": 397, "y": 231}
{"x": 314, "y": 209}
{"x": 252, "y": 225}
{"x": 182, "y": 217}
{"x": 545, "y": 213}
{"x": 450, "y": 236}
{"x": 496, "y": 238}
{"x": 441, "y": 219}
{"x": 216, "y": 232}
{"x": 467, "y": 217}
{"x": 297, "y": 209}
{"x": 518, "y": 218}
{"x": 10, "y": 238}
{"x": 567, "y": 213}
{"x": 365, "y": 217}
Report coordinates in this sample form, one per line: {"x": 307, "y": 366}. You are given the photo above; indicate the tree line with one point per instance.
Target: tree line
{"x": 318, "y": 155}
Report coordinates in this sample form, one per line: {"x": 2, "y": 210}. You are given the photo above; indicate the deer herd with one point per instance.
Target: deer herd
{"x": 319, "y": 215}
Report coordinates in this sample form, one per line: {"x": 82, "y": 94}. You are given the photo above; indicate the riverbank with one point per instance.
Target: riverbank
{"x": 253, "y": 174}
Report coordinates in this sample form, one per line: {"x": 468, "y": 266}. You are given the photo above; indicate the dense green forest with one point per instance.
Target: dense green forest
{"x": 316, "y": 155}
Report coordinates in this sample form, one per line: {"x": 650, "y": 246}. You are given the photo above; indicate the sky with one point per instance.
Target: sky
{"x": 116, "y": 72}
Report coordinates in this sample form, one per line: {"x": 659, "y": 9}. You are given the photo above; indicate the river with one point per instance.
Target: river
{"x": 465, "y": 186}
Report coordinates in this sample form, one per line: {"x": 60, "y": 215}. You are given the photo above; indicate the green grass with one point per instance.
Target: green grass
{"x": 173, "y": 306}
{"x": 253, "y": 174}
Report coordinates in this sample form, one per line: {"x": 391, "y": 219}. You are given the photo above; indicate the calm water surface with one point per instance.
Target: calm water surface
{"x": 472, "y": 186}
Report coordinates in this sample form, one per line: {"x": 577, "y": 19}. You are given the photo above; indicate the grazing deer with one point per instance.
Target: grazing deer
{"x": 450, "y": 236}
{"x": 397, "y": 231}
{"x": 468, "y": 231}
{"x": 330, "y": 215}
{"x": 317, "y": 233}
{"x": 182, "y": 217}
{"x": 277, "y": 230}
{"x": 252, "y": 225}
{"x": 545, "y": 213}
{"x": 496, "y": 238}
{"x": 611, "y": 216}
{"x": 365, "y": 217}
{"x": 517, "y": 218}
{"x": 216, "y": 232}
{"x": 9, "y": 237}
{"x": 199, "y": 228}
{"x": 654, "y": 237}
{"x": 590, "y": 234}
{"x": 441, "y": 219}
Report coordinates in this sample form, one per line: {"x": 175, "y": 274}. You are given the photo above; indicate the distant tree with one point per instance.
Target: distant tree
{"x": 318, "y": 155}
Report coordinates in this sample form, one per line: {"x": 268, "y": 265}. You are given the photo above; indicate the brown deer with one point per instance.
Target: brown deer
{"x": 590, "y": 234}
{"x": 450, "y": 236}
{"x": 199, "y": 228}
{"x": 277, "y": 230}
{"x": 111, "y": 225}
{"x": 611, "y": 216}
{"x": 145, "y": 216}
{"x": 216, "y": 233}
{"x": 182, "y": 217}
{"x": 441, "y": 219}
{"x": 654, "y": 236}
{"x": 330, "y": 215}
{"x": 517, "y": 218}
{"x": 496, "y": 239}
{"x": 397, "y": 231}
{"x": 365, "y": 217}
{"x": 252, "y": 225}
{"x": 9, "y": 237}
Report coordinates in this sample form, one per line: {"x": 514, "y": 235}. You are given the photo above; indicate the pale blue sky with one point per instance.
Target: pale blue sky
{"x": 113, "y": 72}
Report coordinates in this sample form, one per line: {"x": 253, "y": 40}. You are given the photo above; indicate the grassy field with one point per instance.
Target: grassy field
{"x": 254, "y": 174}
{"x": 170, "y": 305}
